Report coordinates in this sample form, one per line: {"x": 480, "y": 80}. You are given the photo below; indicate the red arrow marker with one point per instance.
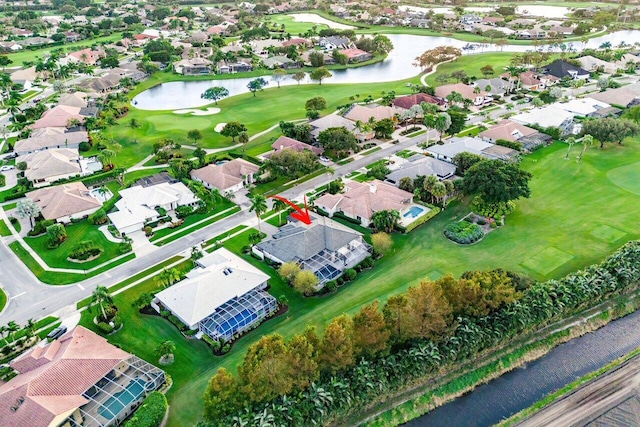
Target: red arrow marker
{"x": 299, "y": 214}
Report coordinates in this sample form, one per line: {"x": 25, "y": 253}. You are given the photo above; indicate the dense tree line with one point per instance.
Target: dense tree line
{"x": 464, "y": 323}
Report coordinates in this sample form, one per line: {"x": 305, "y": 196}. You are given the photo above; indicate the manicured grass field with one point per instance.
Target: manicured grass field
{"x": 3, "y": 299}
{"x": 292, "y": 27}
{"x": 257, "y": 113}
{"x": 31, "y": 55}
{"x": 4, "y": 230}
{"x": 569, "y": 201}
{"x": 471, "y": 64}
{"x": 76, "y": 233}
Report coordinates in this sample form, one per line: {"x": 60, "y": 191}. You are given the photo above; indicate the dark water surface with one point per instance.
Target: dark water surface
{"x": 519, "y": 389}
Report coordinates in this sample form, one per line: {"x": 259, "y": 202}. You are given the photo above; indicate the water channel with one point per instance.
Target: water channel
{"x": 519, "y": 389}
{"x": 397, "y": 66}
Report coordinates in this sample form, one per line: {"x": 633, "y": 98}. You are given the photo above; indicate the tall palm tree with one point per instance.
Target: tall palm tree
{"x": 258, "y": 205}
{"x": 570, "y": 141}
{"x": 134, "y": 124}
{"x": 168, "y": 277}
{"x": 12, "y": 328}
{"x": 586, "y": 140}
{"x": 166, "y": 348}
{"x": 30, "y": 327}
{"x": 100, "y": 297}
{"x": 279, "y": 206}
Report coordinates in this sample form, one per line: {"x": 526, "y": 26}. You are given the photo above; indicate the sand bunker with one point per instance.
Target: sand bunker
{"x": 209, "y": 111}
{"x": 317, "y": 19}
{"x": 219, "y": 127}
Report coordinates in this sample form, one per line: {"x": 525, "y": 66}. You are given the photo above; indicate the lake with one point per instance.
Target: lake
{"x": 397, "y": 66}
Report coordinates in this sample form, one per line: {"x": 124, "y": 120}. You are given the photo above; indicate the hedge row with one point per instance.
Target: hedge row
{"x": 150, "y": 413}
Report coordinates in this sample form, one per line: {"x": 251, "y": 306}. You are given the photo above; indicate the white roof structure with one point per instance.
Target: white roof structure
{"x": 459, "y": 145}
{"x": 550, "y": 116}
{"x": 583, "y": 106}
{"x": 224, "y": 276}
{"x": 137, "y": 204}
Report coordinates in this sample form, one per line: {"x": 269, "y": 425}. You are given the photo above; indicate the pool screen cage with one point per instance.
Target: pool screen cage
{"x": 238, "y": 314}
{"x": 112, "y": 398}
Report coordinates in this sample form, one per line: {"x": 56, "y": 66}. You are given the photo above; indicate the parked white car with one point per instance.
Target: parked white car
{"x": 6, "y": 168}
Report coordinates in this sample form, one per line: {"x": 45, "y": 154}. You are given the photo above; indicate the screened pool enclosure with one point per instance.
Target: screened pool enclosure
{"x": 238, "y": 314}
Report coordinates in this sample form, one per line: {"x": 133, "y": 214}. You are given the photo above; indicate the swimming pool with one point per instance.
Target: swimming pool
{"x": 413, "y": 212}
{"x": 115, "y": 404}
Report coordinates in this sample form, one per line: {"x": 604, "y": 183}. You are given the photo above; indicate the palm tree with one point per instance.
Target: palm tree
{"x": 586, "y": 140}
{"x": 165, "y": 349}
{"x": 385, "y": 220}
{"x": 134, "y": 124}
{"x": 12, "y": 328}
{"x": 168, "y": 277}
{"x": 30, "y": 327}
{"x": 106, "y": 156}
{"x": 571, "y": 141}
{"x": 279, "y": 206}
{"x": 258, "y": 205}
{"x": 101, "y": 296}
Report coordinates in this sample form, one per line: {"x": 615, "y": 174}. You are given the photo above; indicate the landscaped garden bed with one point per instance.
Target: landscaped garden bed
{"x": 463, "y": 232}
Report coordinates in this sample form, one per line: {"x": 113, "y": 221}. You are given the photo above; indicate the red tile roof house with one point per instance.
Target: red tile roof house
{"x": 356, "y": 55}
{"x": 87, "y": 56}
{"x": 286, "y": 142}
{"x": 507, "y": 130}
{"x": 297, "y": 42}
{"x": 227, "y": 177}
{"x": 466, "y": 91}
{"x": 58, "y": 116}
{"x": 361, "y": 200}
{"x": 75, "y": 380}
{"x": 409, "y": 101}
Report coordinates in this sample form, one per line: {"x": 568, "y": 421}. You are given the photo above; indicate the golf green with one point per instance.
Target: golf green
{"x": 166, "y": 122}
{"x": 607, "y": 234}
{"x": 626, "y": 177}
{"x": 546, "y": 261}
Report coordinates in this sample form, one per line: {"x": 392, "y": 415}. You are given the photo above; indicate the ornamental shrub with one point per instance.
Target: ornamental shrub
{"x": 105, "y": 328}
{"x": 491, "y": 210}
{"x": 150, "y": 413}
{"x": 463, "y": 232}
{"x": 85, "y": 250}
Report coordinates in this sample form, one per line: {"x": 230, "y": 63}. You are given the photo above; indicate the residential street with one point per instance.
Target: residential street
{"x": 29, "y": 298}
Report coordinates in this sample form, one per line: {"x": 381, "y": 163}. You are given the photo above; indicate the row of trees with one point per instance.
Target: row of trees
{"x": 469, "y": 330}
{"x": 274, "y": 367}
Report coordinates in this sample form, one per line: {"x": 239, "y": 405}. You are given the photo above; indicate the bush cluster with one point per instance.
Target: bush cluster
{"x": 85, "y": 250}
{"x": 463, "y": 232}
{"x": 492, "y": 210}
{"x": 40, "y": 227}
{"x": 150, "y": 413}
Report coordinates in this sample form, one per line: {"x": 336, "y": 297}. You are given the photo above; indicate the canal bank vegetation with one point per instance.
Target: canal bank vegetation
{"x": 415, "y": 339}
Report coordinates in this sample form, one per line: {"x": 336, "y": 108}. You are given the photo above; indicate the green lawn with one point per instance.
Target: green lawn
{"x": 76, "y": 233}
{"x": 3, "y": 299}
{"x": 257, "y": 113}
{"x": 55, "y": 278}
{"x": 569, "y": 202}
{"x": 291, "y": 27}
{"x": 31, "y": 55}
{"x": 471, "y": 64}
{"x": 4, "y": 230}
{"x": 183, "y": 231}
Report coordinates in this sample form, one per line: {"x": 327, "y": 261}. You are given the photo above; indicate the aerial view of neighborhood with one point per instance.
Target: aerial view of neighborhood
{"x": 274, "y": 213}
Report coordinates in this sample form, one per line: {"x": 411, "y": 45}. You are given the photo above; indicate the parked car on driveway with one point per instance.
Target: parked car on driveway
{"x": 6, "y": 168}
{"x": 57, "y": 333}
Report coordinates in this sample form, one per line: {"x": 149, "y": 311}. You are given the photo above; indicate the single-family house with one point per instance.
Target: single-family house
{"x": 293, "y": 144}
{"x": 278, "y": 61}
{"x": 330, "y": 121}
{"x": 75, "y": 99}
{"x": 296, "y": 41}
{"x": 583, "y": 107}
{"x": 468, "y": 144}
{"x": 263, "y": 47}
{"x": 24, "y": 77}
{"x": 470, "y": 19}
{"x": 71, "y": 36}
{"x": 506, "y": 130}
{"x": 364, "y": 113}
{"x": 478, "y": 98}
{"x": 59, "y": 116}
{"x": 331, "y": 43}
{"x": 561, "y": 30}
{"x": 65, "y": 202}
{"x": 356, "y": 55}
{"x": 221, "y": 298}
{"x": 225, "y": 67}
{"x": 625, "y": 96}
{"x": 88, "y": 56}
{"x": 10, "y": 46}
{"x": 50, "y": 137}
{"x": 409, "y": 101}
{"x": 560, "y": 69}
{"x": 420, "y": 23}
{"x": 492, "y": 20}
{"x": 78, "y": 379}
{"x": 531, "y": 34}
{"x": 591, "y": 63}
{"x": 549, "y": 116}
{"x": 419, "y": 165}
{"x": 139, "y": 205}
{"x": 193, "y": 66}
{"x": 360, "y": 201}
{"x": 45, "y": 167}
{"x": 324, "y": 247}
{"x": 227, "y": 177}
{"x": 35, "y": 41}
{"x": 497, "y": 86}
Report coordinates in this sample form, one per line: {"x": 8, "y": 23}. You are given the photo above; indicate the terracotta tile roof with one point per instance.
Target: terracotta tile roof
{"x": 508, "y": 130}
{"x": 409, "y": 101}
{"x": 63, "y": 200}
{"x": 364, "y": 199}
{"x": 58, "y": 116}
{"x": 363, "y": 114}
{"x": 52, "y": 379}
{"x": 294, "y": 144}
{"x": 226, "y": 175}
{"x": 465, "y": 90}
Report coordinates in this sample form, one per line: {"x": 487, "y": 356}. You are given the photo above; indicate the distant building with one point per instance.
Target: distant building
{"x": 467, "y": 144}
